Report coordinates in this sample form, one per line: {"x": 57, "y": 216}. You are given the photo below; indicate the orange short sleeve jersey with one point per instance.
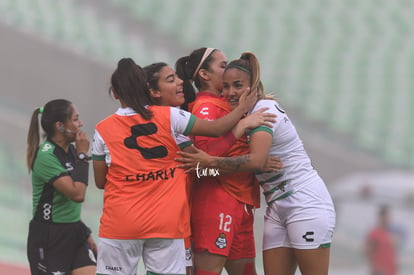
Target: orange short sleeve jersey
{"x": 145, "y": 194}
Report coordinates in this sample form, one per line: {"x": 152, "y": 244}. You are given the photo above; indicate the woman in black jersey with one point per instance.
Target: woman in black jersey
{"x": 59, "y": 242}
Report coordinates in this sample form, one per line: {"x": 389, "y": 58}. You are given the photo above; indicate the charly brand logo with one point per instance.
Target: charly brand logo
{"x": 113, "y": 268}
{"x": 205, "y": 172}
{"x": 308, "y": 237}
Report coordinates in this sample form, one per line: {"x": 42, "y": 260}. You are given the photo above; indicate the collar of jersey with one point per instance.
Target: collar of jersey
{"x": 125, "y": 111}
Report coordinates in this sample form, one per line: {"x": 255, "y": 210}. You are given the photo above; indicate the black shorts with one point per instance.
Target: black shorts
{"x": 58, "y": 247}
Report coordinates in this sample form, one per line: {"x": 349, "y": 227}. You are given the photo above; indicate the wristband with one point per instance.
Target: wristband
{"x": 81, "y": 171}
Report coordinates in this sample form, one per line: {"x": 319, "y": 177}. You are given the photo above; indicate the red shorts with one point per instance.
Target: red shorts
{"x": 220, "y": 223}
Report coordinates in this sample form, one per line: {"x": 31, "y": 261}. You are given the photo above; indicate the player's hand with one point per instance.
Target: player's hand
{"x": 248, "y": 99}
{"x": 258, "y": 118}
{"x": 272, "y": 164}
{"x": 196, "y": 159}
{"x": 82, "y": 142}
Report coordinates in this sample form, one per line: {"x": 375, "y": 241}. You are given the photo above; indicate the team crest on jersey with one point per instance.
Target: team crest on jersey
{"x": 46, "y": 147}
{"x": 221, "y": 241}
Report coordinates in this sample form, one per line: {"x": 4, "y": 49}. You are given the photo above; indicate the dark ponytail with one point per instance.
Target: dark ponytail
{"x": 130, "y": 85}
{"x": 183, "y": 71}
{"x": 186, "y": 68}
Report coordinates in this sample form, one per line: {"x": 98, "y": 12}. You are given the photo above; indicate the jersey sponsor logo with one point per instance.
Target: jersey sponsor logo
{"x": 308, "y": 237}
{"x": 221, "y": 241}
{"x": 113, "y": 268}
{"x": 153, "y": 175}
{"x": 46, "y": 147}
{"x": 145, "y": 130}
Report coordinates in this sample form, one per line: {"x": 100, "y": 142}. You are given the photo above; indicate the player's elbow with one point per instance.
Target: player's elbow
{"x": 78, "y": 198}
{"x": 100, "y": 186}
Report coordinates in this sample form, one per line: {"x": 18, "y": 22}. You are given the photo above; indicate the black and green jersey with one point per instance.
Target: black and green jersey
{"x": 49, "y": 204}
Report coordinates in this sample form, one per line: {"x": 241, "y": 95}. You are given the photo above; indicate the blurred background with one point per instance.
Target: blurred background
{"x": 343, "y": 70}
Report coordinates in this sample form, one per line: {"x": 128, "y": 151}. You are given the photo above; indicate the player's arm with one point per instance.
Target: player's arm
{"x": 220, "y": 145}
{"x": 100, "y": 167}
{"x": 256, "y": 160}
{"x": 254, "y": 120}
{"x": 99, "y": 170}
{"x": 73, "y": 189}
{"x": 224, "y": 124}
{"x": 73, "y": 186}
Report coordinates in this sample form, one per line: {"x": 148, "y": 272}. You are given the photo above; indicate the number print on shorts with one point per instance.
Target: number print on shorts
{"x": 225, "y": 222}
{"x": 145, "y": 130}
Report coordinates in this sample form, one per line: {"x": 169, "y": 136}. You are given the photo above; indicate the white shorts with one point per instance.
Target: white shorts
{"x": 121, "y": 257}
{"x": 303, "y": 220}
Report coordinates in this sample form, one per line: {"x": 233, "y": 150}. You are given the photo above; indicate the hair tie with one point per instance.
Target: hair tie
{"x": 239, "y": 68}
{"x": 41, "y": 109}
{"x": 206, "y": 54}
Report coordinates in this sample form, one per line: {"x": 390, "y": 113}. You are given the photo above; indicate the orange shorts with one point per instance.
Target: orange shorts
{"x": 220, "y": 223}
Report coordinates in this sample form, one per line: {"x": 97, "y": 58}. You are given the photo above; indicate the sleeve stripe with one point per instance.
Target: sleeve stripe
{"x": 184, "y": 144}
{"x": 98, "y": 157}
{"x": 262, "y": 128}
{"x": 189, "y": 125}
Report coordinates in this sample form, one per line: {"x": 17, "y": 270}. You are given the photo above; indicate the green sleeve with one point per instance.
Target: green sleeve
{"x": 47, "y": 166}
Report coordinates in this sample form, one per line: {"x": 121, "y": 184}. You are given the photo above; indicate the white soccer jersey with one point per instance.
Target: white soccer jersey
{"x": 297, "y": 169}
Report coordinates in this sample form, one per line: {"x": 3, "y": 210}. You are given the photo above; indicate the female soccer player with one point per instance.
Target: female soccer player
{"x": 59, "y": 242}
{"x": 300, "y": 216}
